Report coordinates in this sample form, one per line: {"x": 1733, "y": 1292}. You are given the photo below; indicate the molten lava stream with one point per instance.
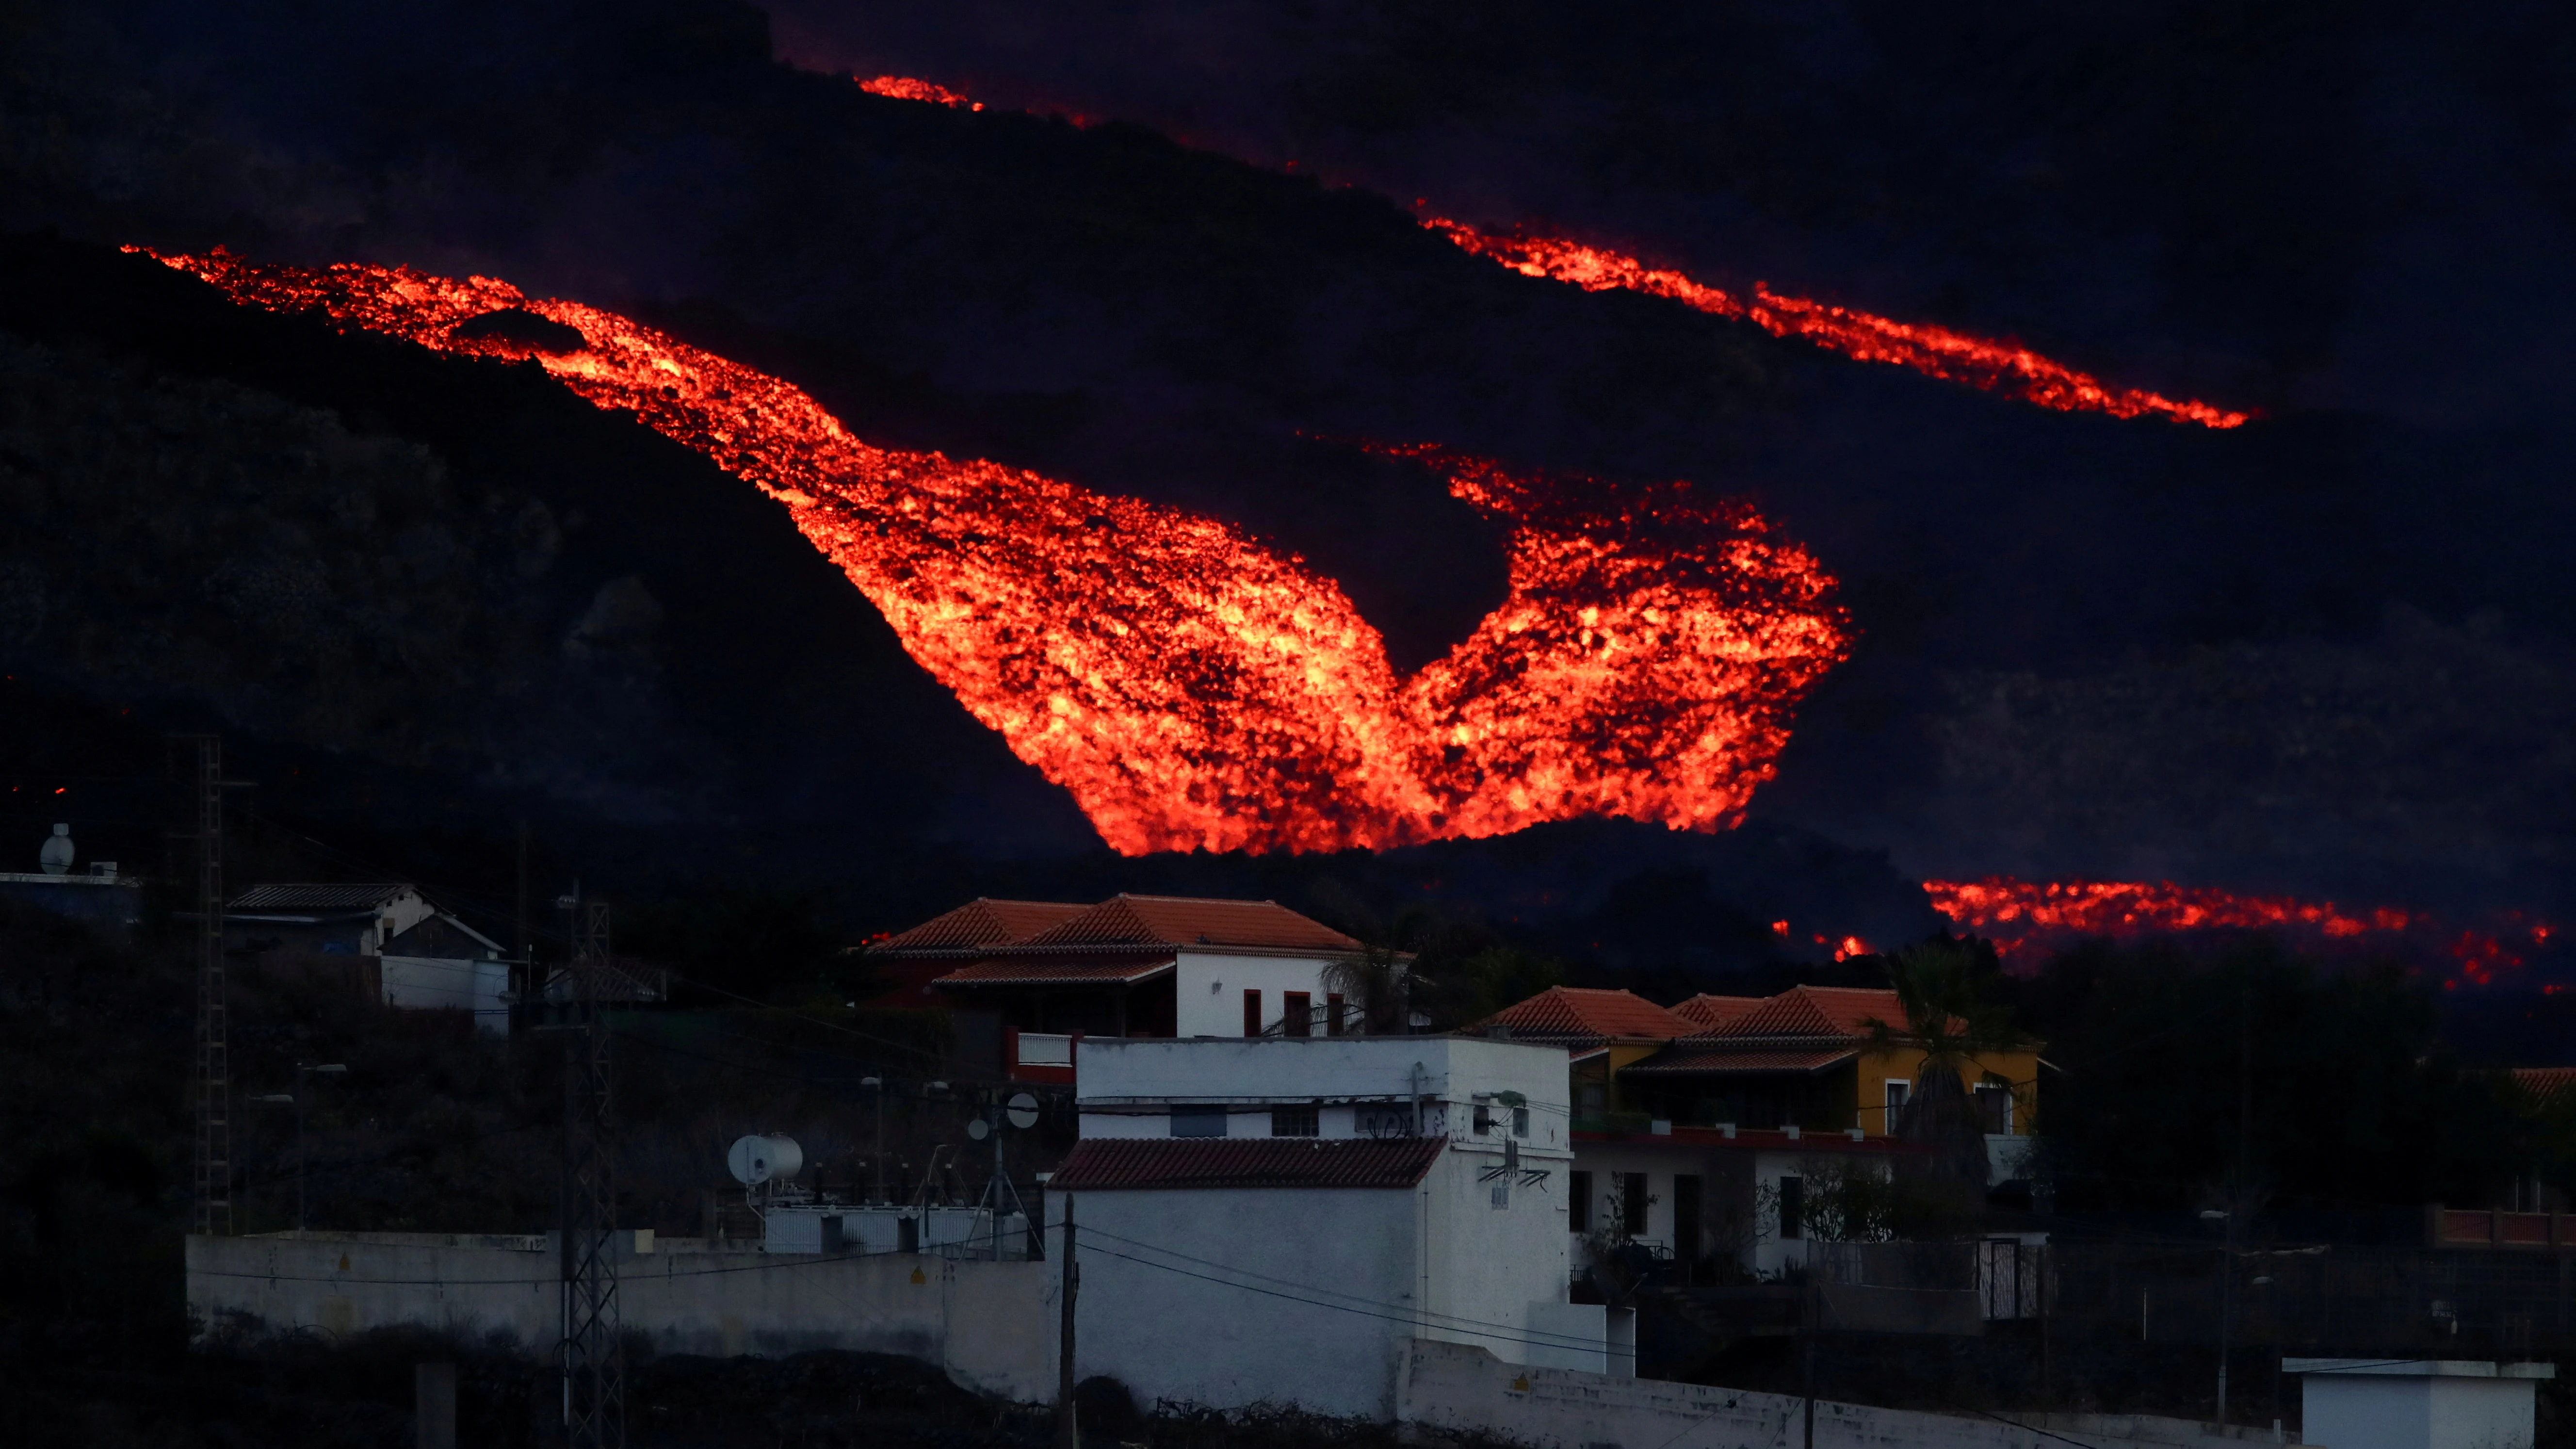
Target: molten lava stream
{"x": 2014, "y": 372}
{"x": 2014, "y": 913}
{"x": 1189, "y": 687}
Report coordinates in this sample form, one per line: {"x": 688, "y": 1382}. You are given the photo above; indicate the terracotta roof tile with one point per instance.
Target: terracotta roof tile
{"x": 1838, "y": 1011}
{"x": 1592, "y": 1014}
{"x": 1716, "y": 1011}
{"x": 1100, "y": 1164}
{"x": 1693, "y": 1058}
{"x": 2547, "y": 1085}
{"x": 1184, "y": 921}
{"x": 979, "y": 924}
{"x": 1041, "y": 970}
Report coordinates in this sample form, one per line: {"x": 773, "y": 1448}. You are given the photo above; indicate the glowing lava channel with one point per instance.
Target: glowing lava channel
{"x": 1188, "y": 686}
{"x": 1996, "y": 367}
{"x": 2015, "y": 913}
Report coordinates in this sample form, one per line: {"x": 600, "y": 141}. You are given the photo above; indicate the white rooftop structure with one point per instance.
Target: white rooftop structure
{"x": 2378, "y": 1403}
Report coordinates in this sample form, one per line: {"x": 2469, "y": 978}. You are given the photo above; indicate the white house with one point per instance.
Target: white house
{"x": 1044, "y": 972}
{"x": 1273, "y": 1219}
{"x": 423, "y": 958}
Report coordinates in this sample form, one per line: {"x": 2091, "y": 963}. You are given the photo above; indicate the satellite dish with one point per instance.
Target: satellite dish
{"x": 755, "y": 1160}
{"x": 979, "y": 1129}
{"x": 1024, "y": 1111}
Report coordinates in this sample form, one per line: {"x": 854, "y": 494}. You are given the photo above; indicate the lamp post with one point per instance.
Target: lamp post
{"x": 295, "y": 1099}
{"x": 877, "y": 1085}
{"x": 2226, "y": 1295}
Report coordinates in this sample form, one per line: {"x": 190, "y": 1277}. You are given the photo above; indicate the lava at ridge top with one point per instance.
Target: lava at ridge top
{"x": 1191, "y": 688}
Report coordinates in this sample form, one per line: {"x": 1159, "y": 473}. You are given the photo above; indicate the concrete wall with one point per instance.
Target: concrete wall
{"x": 992, "y": 1326}
{"x": 434, "y": 983}
{"x": 1446, "y": 1386}
{"x": 1227, "y": 1298}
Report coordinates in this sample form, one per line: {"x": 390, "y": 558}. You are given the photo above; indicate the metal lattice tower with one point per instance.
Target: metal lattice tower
{"x": 594, "y": 1365}
{"x": 213, "y": 1085}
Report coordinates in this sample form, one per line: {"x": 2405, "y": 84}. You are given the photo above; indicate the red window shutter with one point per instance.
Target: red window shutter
{"x": 1252, "y": 1012}
{"x": 1297, "y": 1014}
{"x": 1333, "y": 1014}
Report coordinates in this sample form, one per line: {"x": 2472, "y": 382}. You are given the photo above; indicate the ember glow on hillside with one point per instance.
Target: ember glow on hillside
{"x": 1996, "y": 367}
{"x": 1188, "y": 686}
{"x": 2015, "y": 913}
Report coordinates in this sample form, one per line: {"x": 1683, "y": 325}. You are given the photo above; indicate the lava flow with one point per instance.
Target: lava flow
{"x": 2014, "y": 913}
{"x": 1996, "y": 367}
{"x": 2014, "y": 372}
{"x": 1188, "y": 686}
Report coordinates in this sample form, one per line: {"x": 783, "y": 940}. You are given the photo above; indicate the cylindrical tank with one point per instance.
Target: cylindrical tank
{"x": 756, "y": 1159}
{"x": 56, "y": 857}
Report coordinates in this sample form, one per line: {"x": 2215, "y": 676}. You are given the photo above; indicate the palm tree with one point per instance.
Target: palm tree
{"x": 1936, "y": 989}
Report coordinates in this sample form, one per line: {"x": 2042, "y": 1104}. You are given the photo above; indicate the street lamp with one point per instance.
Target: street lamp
{"x": 295, "y": 1099}
{"x": 877, "y": 1085}
{"x": 2226, "y": 1296}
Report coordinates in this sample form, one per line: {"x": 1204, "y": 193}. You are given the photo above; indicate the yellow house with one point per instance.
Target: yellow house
{"x": 1800, "y": 1059}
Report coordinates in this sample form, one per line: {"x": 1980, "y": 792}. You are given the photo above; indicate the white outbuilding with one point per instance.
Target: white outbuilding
{"x": 2378, "y": 1403}
{"x": 1274, "y": 1219}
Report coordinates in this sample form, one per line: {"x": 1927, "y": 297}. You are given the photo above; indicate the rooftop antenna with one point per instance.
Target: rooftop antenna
{"x": 1000, "y": 1195}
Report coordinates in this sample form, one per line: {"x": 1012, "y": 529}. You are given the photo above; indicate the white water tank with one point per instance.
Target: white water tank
{"x": 56, "y": 857}
{"x": 756, "y": 1159}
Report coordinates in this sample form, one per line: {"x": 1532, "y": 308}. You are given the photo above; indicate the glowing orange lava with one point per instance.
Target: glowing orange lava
{"x": 2014, "y": 913}
{"x": 2014, "y": 372}
{"x": 1997, "y": 367}
{"x": 1190, "y": 687}
{"x": 905, "y": 88}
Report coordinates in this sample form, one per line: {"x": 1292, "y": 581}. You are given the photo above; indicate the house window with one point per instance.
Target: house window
{"x": 1632, "y": 1203}
{"x": 1897, "y": 1093}
{"x": 1520, "y": 1121}
{"x": 1793, "y": 1209}
{"x": 1484, "y": 1118}
{"x": 1198, "y": 1121}
{"x": 1687, "y": 1199}
{"x": 1994, "y": 1107}
{"x": 1296, "y": 1014}
{"x": 1294, "y": 1122}
{"x": 1578, "y": 1202}
{"x": 1252, "y": 1013}
{"x": 1333, "y": 1025}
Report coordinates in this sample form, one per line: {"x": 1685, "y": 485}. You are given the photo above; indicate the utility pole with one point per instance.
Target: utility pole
{"x": 1066, "y": 1431}
{"x": 1807, "y": 1353}
{"x": 594, "y": 1369}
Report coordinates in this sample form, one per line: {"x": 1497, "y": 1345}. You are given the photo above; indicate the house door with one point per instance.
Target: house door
{"x": 1686, "y": 1228}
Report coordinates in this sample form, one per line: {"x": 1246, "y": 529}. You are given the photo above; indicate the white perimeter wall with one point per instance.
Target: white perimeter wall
{"x": 1464, "y": 1390}
{"x": 1204, "y": 1305}
{"x": 992, "y": 1326}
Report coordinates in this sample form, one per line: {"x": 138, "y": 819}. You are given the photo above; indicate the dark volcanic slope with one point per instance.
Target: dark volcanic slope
{"x": 2063, "y": 618}
{"x": 453, "y": 572}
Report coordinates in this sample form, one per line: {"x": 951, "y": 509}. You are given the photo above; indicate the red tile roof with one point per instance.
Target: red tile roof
{"x": 2546, "y": 1084}
{"x": 1049, "y": 970}
{"x": 1590, "y": 1013}
{"x": 1125, "y": 920}
{"x": 1103, "y": 1164}
{"x": 980, "y": 924}
{"x": 1812, "y": 1011}
{"x": 1716, "y": 1011}
{"x": 1692, "y": 1058}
